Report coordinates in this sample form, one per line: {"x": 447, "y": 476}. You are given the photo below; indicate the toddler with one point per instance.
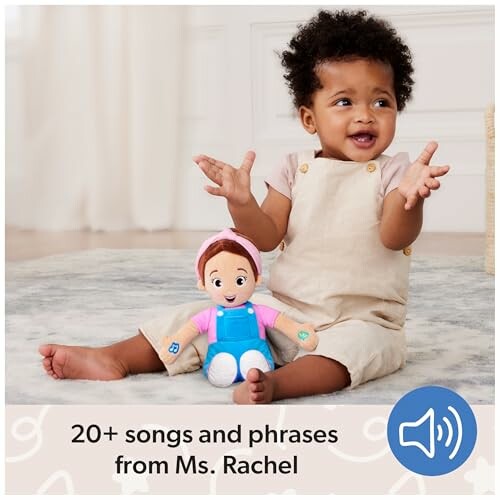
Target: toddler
{"x": 344, "y": 217}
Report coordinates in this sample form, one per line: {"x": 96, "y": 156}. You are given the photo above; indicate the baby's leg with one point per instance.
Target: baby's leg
{"x": 306, "y": 376}
{"x": 134, "y": 355}
{"x": 137, "y": 354}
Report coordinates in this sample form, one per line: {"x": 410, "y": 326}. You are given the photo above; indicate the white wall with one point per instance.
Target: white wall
{"x": 235, "y": 99}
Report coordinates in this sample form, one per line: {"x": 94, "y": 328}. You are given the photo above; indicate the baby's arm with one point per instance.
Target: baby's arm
{"x": 265, "y": 225}
{"x": 402, "y": 212}
{"x": 175, "y": 344}
{"x": 301, "y": 334}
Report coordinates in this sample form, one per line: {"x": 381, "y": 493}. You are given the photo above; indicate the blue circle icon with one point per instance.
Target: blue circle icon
{"x": 432, "y": 430}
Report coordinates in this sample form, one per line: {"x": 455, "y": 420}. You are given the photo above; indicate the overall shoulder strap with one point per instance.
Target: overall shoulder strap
{"x": 305, "y": 156}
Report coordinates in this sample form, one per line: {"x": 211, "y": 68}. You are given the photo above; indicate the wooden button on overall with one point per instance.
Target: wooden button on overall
{"x": 407, "y": 251}
{"x": 304, "y": 168}
{"x": 371, "y": 167}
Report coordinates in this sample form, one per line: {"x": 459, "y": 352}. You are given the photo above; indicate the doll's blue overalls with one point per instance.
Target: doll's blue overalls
{"x": 237, "y": 339}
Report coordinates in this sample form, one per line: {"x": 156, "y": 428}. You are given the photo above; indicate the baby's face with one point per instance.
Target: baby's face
{"x": 354, "y": 113}
{"x": 229, "y": 279}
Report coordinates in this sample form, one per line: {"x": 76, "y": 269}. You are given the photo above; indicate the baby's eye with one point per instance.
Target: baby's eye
{"x": 381, "y": 103}
{"x": 342, "y": 102}
{"x": 217, "y": 282}
{"x": 241, "y": 280}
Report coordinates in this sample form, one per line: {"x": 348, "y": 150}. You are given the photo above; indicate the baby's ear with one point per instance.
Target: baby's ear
{"x": 307, "y": 119}
{"x": 200, "y": 285}
{"x": 258, "y": 281}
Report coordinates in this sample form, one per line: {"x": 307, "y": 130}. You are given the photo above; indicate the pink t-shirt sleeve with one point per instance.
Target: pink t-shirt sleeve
{"x": 202, "y": 320}
{"x": 393, "y": 171}
{"x": 266, "y": 315}
{"x": 281, "y": 178}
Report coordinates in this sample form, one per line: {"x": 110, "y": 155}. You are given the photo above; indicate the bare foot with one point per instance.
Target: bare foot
{"x": 62, "y": 361}
{"x": 258, "y": 388}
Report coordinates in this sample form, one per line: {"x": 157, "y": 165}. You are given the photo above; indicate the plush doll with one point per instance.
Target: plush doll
{"x": 229, "y": 267}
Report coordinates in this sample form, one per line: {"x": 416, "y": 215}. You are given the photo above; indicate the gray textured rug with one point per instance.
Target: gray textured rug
{"x": 101, "y": 296}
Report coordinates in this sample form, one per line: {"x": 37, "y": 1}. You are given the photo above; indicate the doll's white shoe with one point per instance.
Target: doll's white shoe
{"x": 222, "y": 370}
{"x": 253, "y": 359}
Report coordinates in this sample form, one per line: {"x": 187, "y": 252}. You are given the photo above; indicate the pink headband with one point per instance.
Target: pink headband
{"x": 227, "y": 234}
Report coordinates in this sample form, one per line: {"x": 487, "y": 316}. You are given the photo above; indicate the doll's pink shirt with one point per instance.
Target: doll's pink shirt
{"x": 392, "y": 170}
{"x": 206, "y": 320}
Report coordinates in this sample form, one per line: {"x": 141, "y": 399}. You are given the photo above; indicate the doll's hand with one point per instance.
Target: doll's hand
{"x": 234, "y": 183}
{"x": 307, "y": 337}
{"x": 419, "y": 179}
{"x": 170, "y": 350}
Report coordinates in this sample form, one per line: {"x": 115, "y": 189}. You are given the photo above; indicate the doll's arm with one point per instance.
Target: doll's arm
{"x": 176, "y": 343}
{"x": 302, "y": 334}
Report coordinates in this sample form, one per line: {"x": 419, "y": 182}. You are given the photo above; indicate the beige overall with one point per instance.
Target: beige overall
{"x": 333, "y": 271}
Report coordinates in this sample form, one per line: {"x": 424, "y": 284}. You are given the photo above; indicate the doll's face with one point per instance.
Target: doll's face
{"x": 229, "y": 279}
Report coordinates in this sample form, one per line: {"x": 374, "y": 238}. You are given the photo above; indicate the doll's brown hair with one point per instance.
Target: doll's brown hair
{"x": 230, "y": 246}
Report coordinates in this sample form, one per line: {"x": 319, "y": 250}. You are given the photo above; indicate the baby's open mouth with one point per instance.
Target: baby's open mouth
{"x": 230, "y": 298}
{"x": 363, "y": 139}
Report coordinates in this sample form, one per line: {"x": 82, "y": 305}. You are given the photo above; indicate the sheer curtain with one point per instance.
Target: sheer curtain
{"x": 96, "y": 126}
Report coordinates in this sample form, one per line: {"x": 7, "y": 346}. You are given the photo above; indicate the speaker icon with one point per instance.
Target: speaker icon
{"x": 426, "y": 423}
{"x": 432, "y": 430}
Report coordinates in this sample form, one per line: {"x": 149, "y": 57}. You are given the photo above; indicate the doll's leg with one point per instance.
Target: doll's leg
{"x": 253, "y": 359}
{"x": 130, "y": 356}
{"x": 223, "y": 369}
{"x": 306, "y": 376}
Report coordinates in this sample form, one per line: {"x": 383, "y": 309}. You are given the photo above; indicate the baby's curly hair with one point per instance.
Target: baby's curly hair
{"x": 344, "y": 35}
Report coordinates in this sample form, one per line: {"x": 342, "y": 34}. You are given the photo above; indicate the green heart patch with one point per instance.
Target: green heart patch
{"x": 303, "y": 335}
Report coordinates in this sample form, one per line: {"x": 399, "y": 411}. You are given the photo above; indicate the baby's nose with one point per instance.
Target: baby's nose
{"x": 364, "y": 115}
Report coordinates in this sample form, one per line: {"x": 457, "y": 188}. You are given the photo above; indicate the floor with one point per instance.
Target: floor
{"x": 22, "y": 244}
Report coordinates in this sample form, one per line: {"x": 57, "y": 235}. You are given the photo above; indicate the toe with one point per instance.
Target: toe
{"x": 257, "y": 397}
{"x": 47, "y": 365}
{"x": 43, "y": 350}
{"x": 255, "y": 375}
{"x": 256, "y": 387}
{"x": 46, "y": 349}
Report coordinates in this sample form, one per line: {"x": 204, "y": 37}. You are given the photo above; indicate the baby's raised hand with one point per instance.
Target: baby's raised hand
{"x": 419, "y": 179}
{"x": 233, "y": 183}
{"x": 307, "y": 337}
